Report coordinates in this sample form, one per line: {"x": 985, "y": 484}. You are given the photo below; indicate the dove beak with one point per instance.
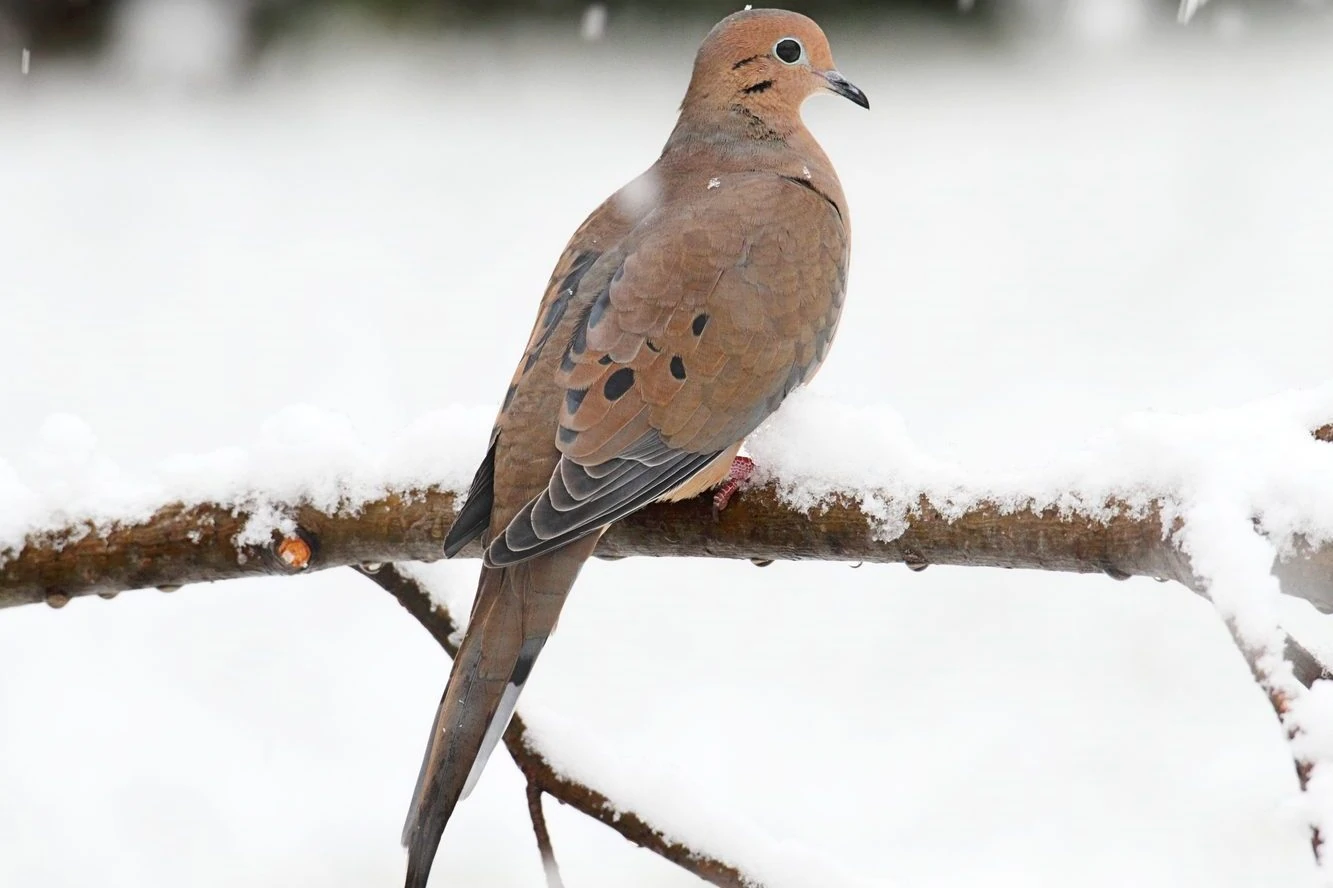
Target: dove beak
{"x": 845, "y": 88}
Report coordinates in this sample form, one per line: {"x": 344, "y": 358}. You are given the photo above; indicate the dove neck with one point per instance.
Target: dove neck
{"x": 705, "y": 121}
{"x": 741, "y": 133}
{"x": 722, "y": 149}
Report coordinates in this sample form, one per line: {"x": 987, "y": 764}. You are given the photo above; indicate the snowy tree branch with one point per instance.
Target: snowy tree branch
{"x": 542, "y": 777}
{"x": 180, "y": 544}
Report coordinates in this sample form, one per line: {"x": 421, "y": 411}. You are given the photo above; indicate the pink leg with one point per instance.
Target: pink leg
{"x": 742, "y": 467}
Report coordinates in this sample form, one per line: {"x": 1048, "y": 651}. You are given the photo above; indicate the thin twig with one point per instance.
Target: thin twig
{"x": 549, "y": 866}
{"x": 539, "y": 772}
{"x": 1281, "y": 704}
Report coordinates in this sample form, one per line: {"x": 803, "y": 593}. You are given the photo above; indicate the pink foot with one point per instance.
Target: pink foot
{"x": 742, "y": 467}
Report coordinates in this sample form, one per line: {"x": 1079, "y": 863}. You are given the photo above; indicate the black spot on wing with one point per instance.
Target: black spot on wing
{"x": 475, "y": 515}
{"x": 509, "y": 397}
{"x": 527, "y": 655}
{"x": 557, "y": 307}
{"x": 700, "y": 321}
{"x": 677, "y": 367}
{"x": 598, "y": 310}
{"x": 618, "y": 383}
{"x": 566, "y": 436}
{"x": 578, "y": 343}
{"x": 573, "y": 399}
{"x": 604, "y": 360}
{"x": 592, "y": 316}
{"x": 568, "y": 287}
{"x": 577, "y": 270}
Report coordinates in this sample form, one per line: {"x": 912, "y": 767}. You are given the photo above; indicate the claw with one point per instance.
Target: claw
{"x": 742, "y": 467}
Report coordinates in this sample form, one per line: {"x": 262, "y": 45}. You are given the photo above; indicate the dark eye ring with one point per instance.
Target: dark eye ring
{"x": 789, "y": 50}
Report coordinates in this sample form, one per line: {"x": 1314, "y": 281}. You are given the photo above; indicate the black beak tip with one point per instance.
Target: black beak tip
{"x": 847, "y": 89}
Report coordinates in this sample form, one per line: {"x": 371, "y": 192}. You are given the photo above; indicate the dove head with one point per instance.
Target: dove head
{"x": 756, "y": 68}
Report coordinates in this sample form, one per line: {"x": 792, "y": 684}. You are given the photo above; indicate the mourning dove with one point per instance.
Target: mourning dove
{"x": 682, "y": 313}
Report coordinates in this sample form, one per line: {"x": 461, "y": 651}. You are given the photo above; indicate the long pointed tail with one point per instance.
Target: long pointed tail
{"x": 515, "y": 611}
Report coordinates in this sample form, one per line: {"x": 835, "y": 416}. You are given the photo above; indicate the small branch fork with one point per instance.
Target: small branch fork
{"x": 541, "y": 776}
{"x": 1303, "y": 663}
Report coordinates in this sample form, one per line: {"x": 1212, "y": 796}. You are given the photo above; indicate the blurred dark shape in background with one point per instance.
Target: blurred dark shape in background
{"x": 65, "y": 26}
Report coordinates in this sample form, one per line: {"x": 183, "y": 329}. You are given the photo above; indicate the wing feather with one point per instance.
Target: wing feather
{"x": 540, "y": 527}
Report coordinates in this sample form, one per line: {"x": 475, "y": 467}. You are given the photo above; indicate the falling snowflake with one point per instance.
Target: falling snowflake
{"x": 713, "y": 183}
{"x": 1188, "y": 8}
{"x": 593, "y": 25}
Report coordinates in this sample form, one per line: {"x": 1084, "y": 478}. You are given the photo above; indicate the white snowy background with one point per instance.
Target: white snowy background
{"x": 1049, "y": 236}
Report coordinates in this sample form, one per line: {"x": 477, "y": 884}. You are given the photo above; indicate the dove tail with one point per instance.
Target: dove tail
{"x": 515, "y": 612}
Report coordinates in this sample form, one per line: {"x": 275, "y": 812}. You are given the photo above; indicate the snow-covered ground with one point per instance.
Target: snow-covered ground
{"x": 1046, "y": 239}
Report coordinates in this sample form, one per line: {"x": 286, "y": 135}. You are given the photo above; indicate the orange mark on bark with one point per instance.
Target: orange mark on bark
{"x": 294, "y": 552}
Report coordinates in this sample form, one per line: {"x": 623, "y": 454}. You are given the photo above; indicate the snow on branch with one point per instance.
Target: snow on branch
{"x": 1123, "y": 518}
{"x": 180, "y": 544}
{"x": 348, "y": 515}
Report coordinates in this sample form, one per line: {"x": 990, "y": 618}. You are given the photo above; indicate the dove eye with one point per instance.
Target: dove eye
{"x": 789, "y": 50}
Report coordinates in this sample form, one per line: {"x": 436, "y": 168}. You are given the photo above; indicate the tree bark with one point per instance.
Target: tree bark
{"x": 182, "y": 544}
